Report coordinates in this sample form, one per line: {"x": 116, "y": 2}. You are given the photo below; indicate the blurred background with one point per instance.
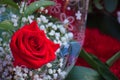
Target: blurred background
{"x": 103, "y": 32}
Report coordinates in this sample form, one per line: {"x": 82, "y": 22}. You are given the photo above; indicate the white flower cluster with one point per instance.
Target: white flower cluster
{"x": 55, "y": 31}
{"x": 50, "y": 72}
{"x": 14, "y": 19}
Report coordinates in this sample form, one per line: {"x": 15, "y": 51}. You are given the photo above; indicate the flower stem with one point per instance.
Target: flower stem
{"x": 114, "y": 58}
{"x": 88, "y": 58}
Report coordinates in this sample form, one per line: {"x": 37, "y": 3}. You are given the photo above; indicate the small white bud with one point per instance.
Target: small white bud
{"x": 24, "y": 19}
{"x": 55, "y": 76}
{"x": 30, "y": 73}
{"x": 50, "y": 71}
{"x": 68, "y": 8}
{"x": 54, "y": 27}
{"x": 24, "y": 75}
{"x": 39, "y": 69}
{"x": 49, "y": 77}
{"x": 42, "y": 8}
{"x": 52, "y": 32}
{"x": 70, "y": 35}
{"x": 50, "y": 24}
{"x": 57, "y": 34}
{"x": 59, "y": 71}
{"x": 49, "y": 65}
{"x": 36, "y": 76}
{"x": 54, "y": 70}
{"x": 62, "y": 30}
{"x": 46, "y": 11}
{"x": 63, "y": 74}
{"x": 15, "y": 24}
{"x": 38, "y": 20}
{"x": 61, "y": 64}
{"x": 42, "y": 27}
{"x": 13, "y": 16}
{"x": 63, "y": 39}
{"x": 36, "y": 4}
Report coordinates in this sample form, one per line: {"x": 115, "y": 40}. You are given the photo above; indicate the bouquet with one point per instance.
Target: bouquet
{"x": 40, "y": 40}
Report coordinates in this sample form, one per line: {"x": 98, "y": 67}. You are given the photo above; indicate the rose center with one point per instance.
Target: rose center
{"x": 34, "y": 43}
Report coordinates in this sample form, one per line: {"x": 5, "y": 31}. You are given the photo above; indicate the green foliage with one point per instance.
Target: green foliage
{"x": 110, "y": 5}
{"x": 97, "y": 4}
{"x": 83, "y": 73}
{"x": 36, "y": 5}
{"x": 6, "y": 25}
{"x": 113, "y": 59}
{"x": 9, "y": 2}
{"x": 102, "y": 69}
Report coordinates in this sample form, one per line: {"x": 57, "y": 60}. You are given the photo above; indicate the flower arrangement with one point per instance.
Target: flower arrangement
{"x": 37, "y": 41}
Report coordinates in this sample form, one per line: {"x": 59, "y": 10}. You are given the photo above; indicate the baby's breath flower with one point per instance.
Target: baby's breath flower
{"x": 68, "y": 8}
{"x": 50, "y": 24}
{"x": 61, "y": 64}
{"x": 70, "y": 35}
{"x": 43, "y": 19}
{"x": 49, "y": 65}
{"x": 42, "y": 27}
{"x": 63, "y": 74}
{"x": 42, "y": 8}
{"x": 39, "y": 69}
{"x": 24, "y": 19}
{"x": 50, "y": 71}
{"x": 36, "y": 76}
{"x": 59, "y": 71}
{"x": 55, "y": 76}
{"x": 38, "y": 20}
{"x": 30, "y": 19}
{"x": 24, "y": 75}
{"x": 57, "y": 34}
{"x": 30, "y": 73}
{"x": 62, "y": 30}
{"x": 54, "y": 27}
{"x": 63, "y": 39}
{"x": 52, "y": 32}
{"x": 54, "y": 70}
{"x": 46, "y": 11}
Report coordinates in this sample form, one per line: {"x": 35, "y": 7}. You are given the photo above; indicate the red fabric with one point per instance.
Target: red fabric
{"x": 31, "y": 48}
{"x": 102, "y": 46}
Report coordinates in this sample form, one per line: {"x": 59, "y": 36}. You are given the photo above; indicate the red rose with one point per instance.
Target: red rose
{"x": 31, "y": 48}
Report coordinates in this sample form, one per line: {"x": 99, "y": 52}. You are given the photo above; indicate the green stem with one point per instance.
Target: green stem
{"x": 114, "y": 58}
{"x": 88, "y": 58}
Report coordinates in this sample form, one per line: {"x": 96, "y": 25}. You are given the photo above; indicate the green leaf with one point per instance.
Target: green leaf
{"x": 97, "y": 4}
{"x": 6, "y": 25}
{"x": 9, "y": 2}
{"x": 114, "y": 58}
{"x": 90, "y": 9}
{"x": 36, "y": 5}
{"x": 83, "y": 73}
{"x": 110, "y": 5}
{"x": 102, "y": 69}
